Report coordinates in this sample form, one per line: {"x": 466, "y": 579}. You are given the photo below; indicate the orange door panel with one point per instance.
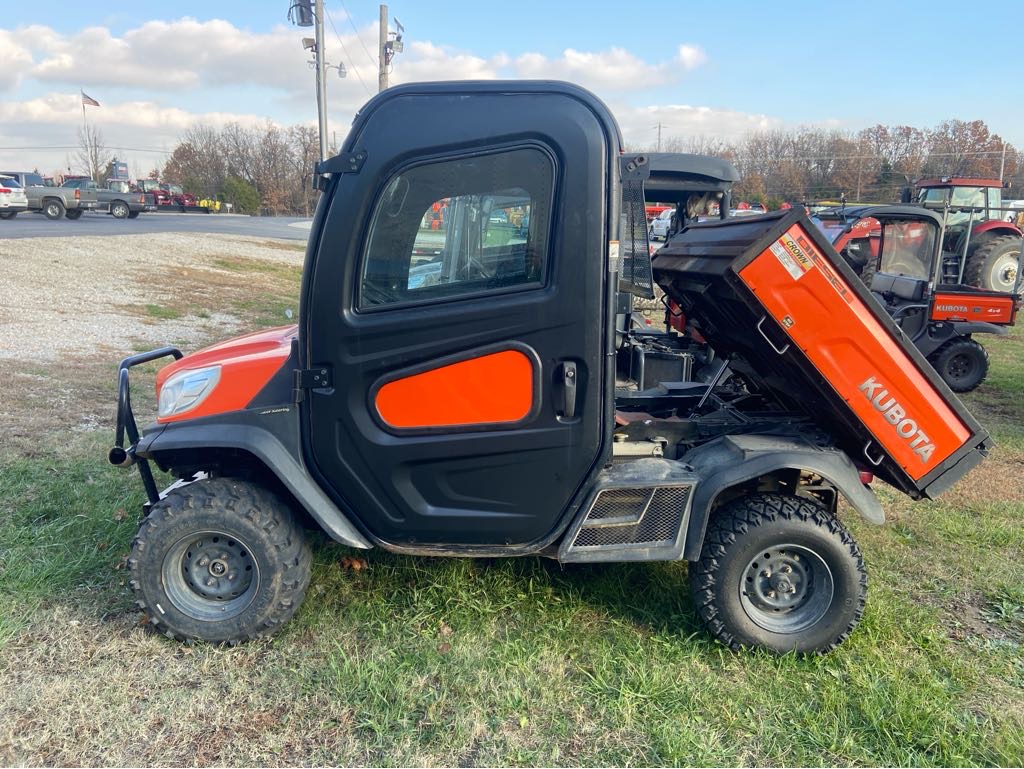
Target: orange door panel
{"x": 491, "y": 389}
{"x": 854, "y": 353}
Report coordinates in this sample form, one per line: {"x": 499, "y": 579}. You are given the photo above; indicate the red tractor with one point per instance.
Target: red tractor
{"x": 983, "y": 248}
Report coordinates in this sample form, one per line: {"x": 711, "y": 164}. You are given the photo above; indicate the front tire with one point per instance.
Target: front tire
{"x": 53, "y": 209}
{"x": 779, "y": 572}
{"x": 219, "y": 560}
{"x": 961, "y": 363}
{"x": 8, "y": 214}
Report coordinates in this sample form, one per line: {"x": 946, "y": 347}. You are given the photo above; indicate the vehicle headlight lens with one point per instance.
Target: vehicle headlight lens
{"x": 186, "y": 390}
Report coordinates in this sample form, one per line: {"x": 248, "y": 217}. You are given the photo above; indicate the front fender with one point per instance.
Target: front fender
{"x": 264, "y": 434}
{"x": 734, "y": 459}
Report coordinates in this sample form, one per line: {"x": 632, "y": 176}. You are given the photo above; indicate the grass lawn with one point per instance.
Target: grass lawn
{"x": 414, "y": 661}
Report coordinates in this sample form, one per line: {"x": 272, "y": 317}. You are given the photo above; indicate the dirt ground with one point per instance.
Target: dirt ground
{"x": 71, "y": 308}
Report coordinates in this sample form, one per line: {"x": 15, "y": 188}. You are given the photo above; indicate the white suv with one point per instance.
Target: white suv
{"x": 12, "y": 197}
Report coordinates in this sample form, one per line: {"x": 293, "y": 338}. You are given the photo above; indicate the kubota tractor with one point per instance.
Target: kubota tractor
{"x": 480, "y": 407}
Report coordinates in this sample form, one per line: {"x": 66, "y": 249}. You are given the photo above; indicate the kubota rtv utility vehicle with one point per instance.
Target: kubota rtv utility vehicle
{"x": 907, "y": 267}
{"x": 480, "y": 408}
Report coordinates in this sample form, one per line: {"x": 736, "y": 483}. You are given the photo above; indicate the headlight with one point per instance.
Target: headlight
{"x": 187, "y": 389}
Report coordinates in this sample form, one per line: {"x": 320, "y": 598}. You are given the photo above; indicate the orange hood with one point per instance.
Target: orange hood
{"x": 247, "y": 363}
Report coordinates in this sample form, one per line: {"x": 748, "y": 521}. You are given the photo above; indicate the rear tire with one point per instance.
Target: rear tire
{"x": 8, "y": 214}
{"x": 219, "y": 560}
{"x": 961, "y": 363}
{"x": 994, "y": 264}
{"x": 74, "y": 214}
{"x": 133, "y": 214}
{"x": 779, "y": 572}
{"x": 119, "y": 209}
{"x": 53, "y": 209}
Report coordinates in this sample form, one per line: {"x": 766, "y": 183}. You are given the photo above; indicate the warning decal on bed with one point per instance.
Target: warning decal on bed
{"x": 793, "y": 257}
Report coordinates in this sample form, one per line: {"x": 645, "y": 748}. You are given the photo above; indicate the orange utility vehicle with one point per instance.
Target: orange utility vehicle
{"x": 909, "y": 271}
{"x": 480, "y": 408}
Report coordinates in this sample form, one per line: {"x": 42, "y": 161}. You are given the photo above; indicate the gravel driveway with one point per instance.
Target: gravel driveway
{"x": 73, "y": 297}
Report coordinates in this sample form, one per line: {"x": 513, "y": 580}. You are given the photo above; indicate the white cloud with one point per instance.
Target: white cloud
{"x": 43, "y": 132}
{"x": 639, "y": 124}
{"x": 691, "y": 56}
{"x": 613, "y": 70}
{"x": 18, "y": 60}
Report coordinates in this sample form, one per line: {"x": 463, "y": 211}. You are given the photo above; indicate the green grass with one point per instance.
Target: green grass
{"x": 521, "y": 662}
{"x": 161, "y": 312}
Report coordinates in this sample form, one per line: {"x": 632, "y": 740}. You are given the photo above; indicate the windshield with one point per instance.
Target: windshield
{"x": 830, "y": 228}
{"x": 907, "y": 249}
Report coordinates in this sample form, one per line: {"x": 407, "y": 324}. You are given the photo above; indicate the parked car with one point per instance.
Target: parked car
{"x": 116, "y": 197}
{"x": 661, "y": 223}
{"x": 54, "y": 202}
{"x": 12, "y": 197}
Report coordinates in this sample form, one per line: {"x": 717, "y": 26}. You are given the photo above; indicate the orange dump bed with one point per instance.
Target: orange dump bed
{"x": 773, "y": 294}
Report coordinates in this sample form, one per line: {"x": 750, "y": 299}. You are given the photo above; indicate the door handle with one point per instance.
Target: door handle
{"x": 569, "y": 378}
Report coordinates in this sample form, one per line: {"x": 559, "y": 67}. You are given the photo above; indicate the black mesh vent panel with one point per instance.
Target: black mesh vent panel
{"x": 658, "y": 525}
{"x": 635, "y": 274}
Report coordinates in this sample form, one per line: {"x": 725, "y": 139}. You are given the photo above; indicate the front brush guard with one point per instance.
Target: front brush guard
{"x": 126, "y": 457}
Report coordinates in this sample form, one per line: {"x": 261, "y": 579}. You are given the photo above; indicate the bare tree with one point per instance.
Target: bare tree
{"x": 93, "y": 155}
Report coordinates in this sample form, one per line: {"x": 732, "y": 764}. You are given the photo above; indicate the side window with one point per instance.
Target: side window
{"x": 472, "y": 225}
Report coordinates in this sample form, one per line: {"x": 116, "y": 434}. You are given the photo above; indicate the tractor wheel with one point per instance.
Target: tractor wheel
{"x": 119, "y": 209}
{"x": 219, "y": 560}
{"x": 75, "y": 213}
{"x": 53, "y": 208}
{"x": 961, "y": 363}
{"x": 994, "y": 264}
{"x": 779, "y": 572}
{"x": 134, "y": 214}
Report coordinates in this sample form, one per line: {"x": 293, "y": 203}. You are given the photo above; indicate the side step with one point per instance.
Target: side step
{"x": 637, "y": 512}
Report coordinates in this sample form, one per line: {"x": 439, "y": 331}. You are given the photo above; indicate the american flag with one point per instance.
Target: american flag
{"x": 86, "y": 99}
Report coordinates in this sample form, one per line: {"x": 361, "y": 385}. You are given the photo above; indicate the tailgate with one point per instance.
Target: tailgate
{"x": 771, "y": 291}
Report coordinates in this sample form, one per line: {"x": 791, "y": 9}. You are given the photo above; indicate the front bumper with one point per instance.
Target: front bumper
{"x": 125, "y": 456}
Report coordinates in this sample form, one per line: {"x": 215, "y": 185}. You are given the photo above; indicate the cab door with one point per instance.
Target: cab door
{"x": 456, "y": 293}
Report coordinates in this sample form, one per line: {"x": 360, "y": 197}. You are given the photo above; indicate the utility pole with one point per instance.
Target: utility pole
{"x": 659, "y": 136}
{"x": 382, "y": 39}
{"x": 1002, "y": 162}
{"x": 321, "y": 79}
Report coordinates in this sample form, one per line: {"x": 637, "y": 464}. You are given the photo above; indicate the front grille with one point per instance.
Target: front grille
{"x": 633, "y": 516}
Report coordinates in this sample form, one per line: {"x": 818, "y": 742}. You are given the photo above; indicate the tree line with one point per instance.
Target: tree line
{"x": 871, "y": 165}
{"x": 266, "y": 169}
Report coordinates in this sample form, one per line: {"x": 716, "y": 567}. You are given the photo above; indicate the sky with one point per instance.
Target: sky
{"x": 699, "y": 69}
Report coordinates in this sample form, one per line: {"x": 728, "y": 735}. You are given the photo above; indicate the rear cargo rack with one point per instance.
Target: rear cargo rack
{"x": 772, "y": 292}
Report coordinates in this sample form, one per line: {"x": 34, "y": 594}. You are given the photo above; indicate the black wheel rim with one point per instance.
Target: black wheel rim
{"x": 210, "y": 576}
{"x": 960, "y": 367}
{"x": 786, "y": 588}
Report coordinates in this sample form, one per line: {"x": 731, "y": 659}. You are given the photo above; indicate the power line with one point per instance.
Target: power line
{"x": 345, "y": 50}
{"x": 79, "y": 146}
{"x": 371, "y": 57}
